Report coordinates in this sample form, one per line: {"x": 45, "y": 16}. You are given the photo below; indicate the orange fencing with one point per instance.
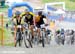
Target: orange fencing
{"x": 11, "y": 38}
{"x": 2, "y": 29}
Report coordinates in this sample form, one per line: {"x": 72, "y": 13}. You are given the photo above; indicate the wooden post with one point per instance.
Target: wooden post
{"x": 2, "y": 36}
{"x": 15, "y": 35}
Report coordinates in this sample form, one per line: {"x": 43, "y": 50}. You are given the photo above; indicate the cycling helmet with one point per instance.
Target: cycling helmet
{"x": 27, "y": 11}
{"x": 40, "y": 13}
{"x": 58, "y": 31}
{"x": 17, "y": 13}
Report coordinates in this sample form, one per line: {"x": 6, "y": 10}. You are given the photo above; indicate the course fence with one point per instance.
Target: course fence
{"x": 7, "y": 37}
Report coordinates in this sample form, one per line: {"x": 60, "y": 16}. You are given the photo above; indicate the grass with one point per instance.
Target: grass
{"x": 7, "y": 36}
{"x": 3, "y": 9}
{"x": 6, "y": 32}
{"x": 9, "y": 44}
{"x": 69, "y": 4}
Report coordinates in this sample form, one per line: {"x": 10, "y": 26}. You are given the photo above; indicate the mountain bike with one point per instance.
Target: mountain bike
{"x": 27, "y": 36}
{"x": 19, "y": 35}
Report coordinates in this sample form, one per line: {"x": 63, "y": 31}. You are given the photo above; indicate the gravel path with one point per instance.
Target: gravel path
{"x": 38, "y": 50}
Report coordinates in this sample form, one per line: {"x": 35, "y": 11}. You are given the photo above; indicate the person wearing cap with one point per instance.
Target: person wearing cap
{"x": 39, "y": 20}
{"x": 28, "y": 18}
{"x": 18, "y": 25}
{"x": 17, "y": 18}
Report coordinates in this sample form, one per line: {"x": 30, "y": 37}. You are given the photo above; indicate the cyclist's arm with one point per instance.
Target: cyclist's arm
{"x": 45, "y": 19}
{"x": 22, "y": 20}
{"x": 13, "y": 17}
{"x": 23, "y": 14}
{"x": 31, "y": 17}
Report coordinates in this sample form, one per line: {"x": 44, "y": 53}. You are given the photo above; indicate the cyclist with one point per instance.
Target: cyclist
{"x": 57, "y": 37}
{"x": 18, "y": 24}
{"x": 62, "y": 36}
{"x": 28, "y": 18}
{"x": 39, "y": 20}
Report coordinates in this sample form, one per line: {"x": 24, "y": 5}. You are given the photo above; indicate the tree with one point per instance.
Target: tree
{"x": 2, "y": 3}
{"x": 72, "y": 0}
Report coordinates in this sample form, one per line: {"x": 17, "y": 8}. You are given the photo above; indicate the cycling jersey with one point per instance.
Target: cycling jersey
{"x": 37, "y": 18}
{"x": 14, "y": 16}
{"x": 18, "y": 22}
{"x": 21, "y": 21}
{"x": 40, "y": 20}
{"x": 28, "y": 17}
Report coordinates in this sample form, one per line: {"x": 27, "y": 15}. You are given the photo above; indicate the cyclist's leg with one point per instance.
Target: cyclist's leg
{"x": 38, "y": 29}
{"x": 17, "y": 37}
{"x": 31, "y": 28}
{"x": 30, "y": 33}
{"x": 20, "y": 38}
{"x": 39, "y": 32}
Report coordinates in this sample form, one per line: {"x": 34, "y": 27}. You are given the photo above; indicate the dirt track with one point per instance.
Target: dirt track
{"x": 38, "y": 50}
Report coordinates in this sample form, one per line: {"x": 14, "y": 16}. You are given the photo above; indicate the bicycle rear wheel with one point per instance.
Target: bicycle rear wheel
{"x": 43, "y": 40}
{"x": 30, "y": 40}
{"x": 43, "y": 43}
{"x": 18, "y": 38}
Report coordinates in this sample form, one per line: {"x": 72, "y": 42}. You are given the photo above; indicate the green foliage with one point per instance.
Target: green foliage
{"x": 72, "y": 0}
{"x": 69, "y": 3}
{"x": 9, "y": 44}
